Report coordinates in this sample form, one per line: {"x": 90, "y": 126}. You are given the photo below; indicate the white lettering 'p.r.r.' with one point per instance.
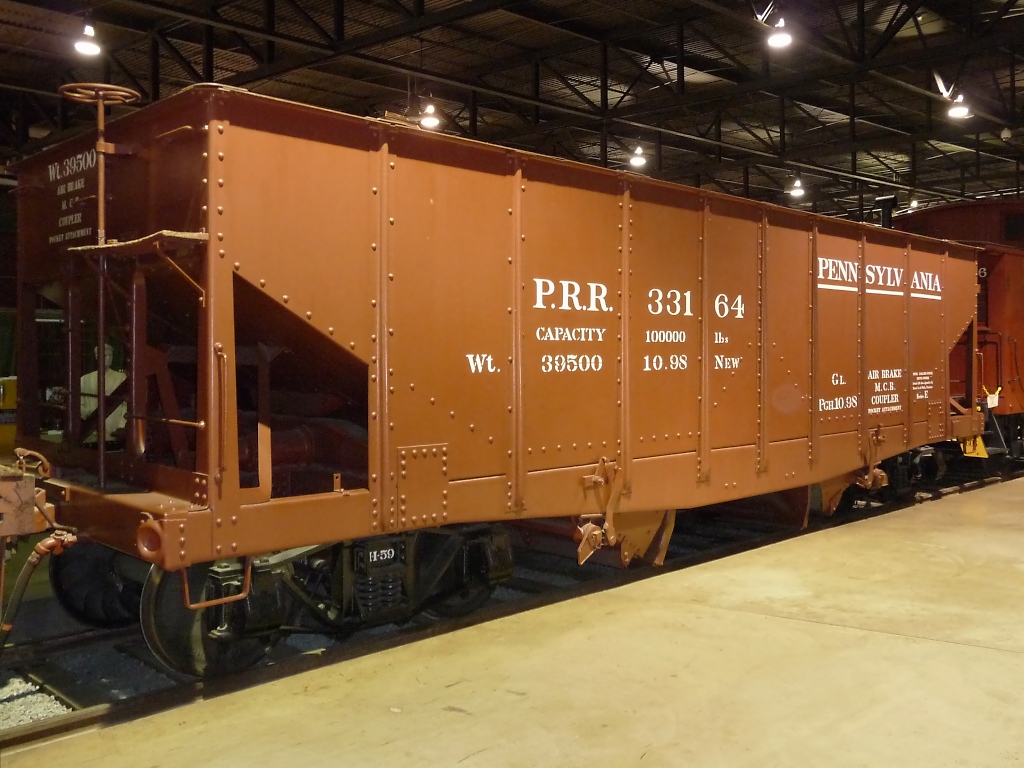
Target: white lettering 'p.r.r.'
{"x": 596, "y": 300}
{"x": 570, "y": 290}
{"x": 544, "y": 288}
{"x": 598, "y": 292}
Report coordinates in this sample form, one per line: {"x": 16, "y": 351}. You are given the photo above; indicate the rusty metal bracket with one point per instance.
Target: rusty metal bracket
{"x": 600, "y": 476}
{"x": 606, "y": 481}
{"x": 246, "y": 586}
{"x": 959, "y": 409}
{"x": 658, "y": 548}
{"x": 173, "y": 132}
{"x": 874, "y": 476}
{"x": 591, "y": 540}
{"x": 598, "y": 530}
{"x": 639, "y": 534}
{"x": 162, "y": 253}
{"x": 41, "y": 467}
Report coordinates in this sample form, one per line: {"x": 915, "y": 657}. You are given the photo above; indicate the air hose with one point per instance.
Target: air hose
{"x": 56, "y": 543}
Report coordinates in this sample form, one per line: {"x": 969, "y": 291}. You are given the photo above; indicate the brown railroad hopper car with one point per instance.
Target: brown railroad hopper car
{"x": 997, "y": 228}
{"x": 337, "y": 329}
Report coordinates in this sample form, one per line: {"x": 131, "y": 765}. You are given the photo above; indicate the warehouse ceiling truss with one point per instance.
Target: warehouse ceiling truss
{"x": 857, "y": 107}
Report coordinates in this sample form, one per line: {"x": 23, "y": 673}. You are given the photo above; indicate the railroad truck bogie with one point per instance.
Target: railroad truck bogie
{"x": 235, "y": 611}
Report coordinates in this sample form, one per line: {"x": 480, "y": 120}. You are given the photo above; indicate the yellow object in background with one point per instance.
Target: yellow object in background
{"x": 8, "y": 406}
{"x": 974, "y": 446}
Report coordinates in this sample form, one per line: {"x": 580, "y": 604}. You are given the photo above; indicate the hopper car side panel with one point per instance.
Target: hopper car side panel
{"x": 837, "y": 257}
{"x": 787, "y": 354}
{"x": 932, "y": 337}
{"x": 457, "y": 333}
{"x": 730, "y": 311}
{"x": 570, "y": 255}
{"x": 664, "y": 255}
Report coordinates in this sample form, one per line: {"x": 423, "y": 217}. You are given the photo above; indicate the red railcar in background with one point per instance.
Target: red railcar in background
{"x": 997, "y": 227}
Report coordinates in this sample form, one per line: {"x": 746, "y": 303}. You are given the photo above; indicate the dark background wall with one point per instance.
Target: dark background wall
{"x": 8, "y": 283}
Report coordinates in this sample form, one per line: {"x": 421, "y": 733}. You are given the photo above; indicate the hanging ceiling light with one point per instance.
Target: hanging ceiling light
{"x": 797, "y": 190}
{"x": 87, "y": 45}
{"x": 779, "y": 38}
{"x": 913, "y": 202}
{"x": 638, "y": 160}
{"x": 958, "y": 109}
{"x": 429, "y": 118}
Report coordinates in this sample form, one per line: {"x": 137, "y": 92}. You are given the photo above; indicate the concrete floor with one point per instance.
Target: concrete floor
{"x": 897, "y": 641}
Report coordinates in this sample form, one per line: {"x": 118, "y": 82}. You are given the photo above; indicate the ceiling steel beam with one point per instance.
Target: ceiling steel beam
{"x": 585, "y": 118}
{"x": 16, "y": 88}
{"x": 212, "y": 19}
{"x": 770, "y": 85}
{"x": 752, "y": 23}
{"x": 846, "y": 71}
{"x": 412, "y": 26}
{"x": 310, "y": 22}
{"x": 746, "y": 152}
{"x": 896, "y": 23}
{"x": 625, "y": 120}
{"x": 179, "y": 57}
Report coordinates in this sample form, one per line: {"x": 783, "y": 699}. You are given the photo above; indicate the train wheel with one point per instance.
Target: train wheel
{"x": 90, "y": 586}
{"x": 462, "y": 602}
{"x": 204, "y": 643}
{"x": 470, "y": 579}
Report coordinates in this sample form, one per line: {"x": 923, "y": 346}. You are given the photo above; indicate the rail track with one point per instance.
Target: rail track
{"x": 51, "y": 687}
